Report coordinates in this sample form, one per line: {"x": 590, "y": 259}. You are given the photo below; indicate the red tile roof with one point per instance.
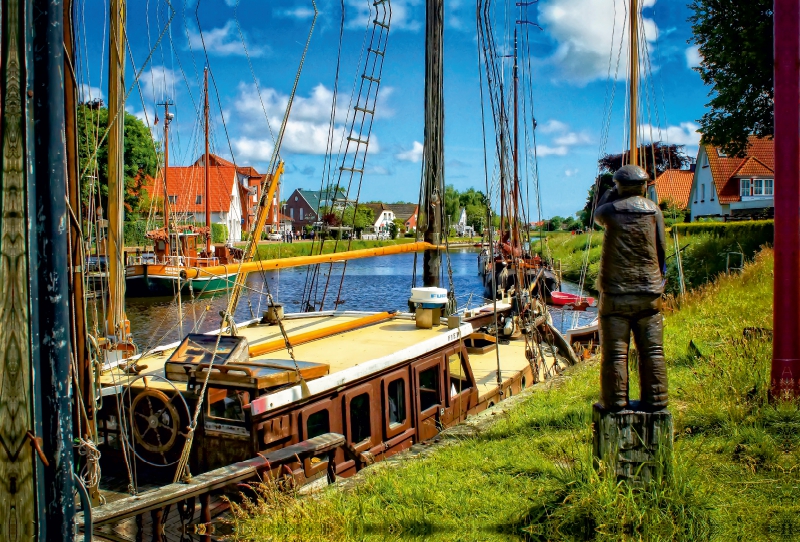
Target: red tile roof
{"x": 675, "y": 185}
{"x": 725, "y": 170}
{"x": 189, "y": 182}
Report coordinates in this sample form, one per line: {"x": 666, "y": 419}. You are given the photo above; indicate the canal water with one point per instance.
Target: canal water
{"x": 371, "y": 284}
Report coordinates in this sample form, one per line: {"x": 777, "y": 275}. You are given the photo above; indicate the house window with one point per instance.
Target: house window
{"x": 359, "y": 419}
{"x": 198, "y": 199}
{"x": 768, "y": 187}
{"x": 396, "y": 390}
{"x": 173, "y": 200}
{"x": 301, "y": 213}
{"x": 744, "y": 187}
{"x": 318, "y": 424}
{"x": 702, "y": 192}
{"x": 291, "y": 213}
{"x": 758, "y": 187}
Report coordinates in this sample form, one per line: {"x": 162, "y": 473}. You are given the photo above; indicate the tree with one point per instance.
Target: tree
{"x": 555, "y": 223}
{"x": 140, "y": 156}
{"x": 657, "y": 158}
{"x": 358, "y": 218}
{"x": 734, "y": 39}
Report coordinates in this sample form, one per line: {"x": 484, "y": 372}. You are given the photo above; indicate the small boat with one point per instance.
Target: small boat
{"x": 563, "y": 299}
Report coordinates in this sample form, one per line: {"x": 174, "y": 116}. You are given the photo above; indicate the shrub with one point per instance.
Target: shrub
{"x": 219, "y": 233}
{"x": 134, "y": 233}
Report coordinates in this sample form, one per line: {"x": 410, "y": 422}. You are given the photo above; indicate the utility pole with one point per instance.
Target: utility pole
{"x": 786, "y": 313}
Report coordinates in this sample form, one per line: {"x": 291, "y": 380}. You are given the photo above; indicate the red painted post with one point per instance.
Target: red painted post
{"x": 786, "y": 314}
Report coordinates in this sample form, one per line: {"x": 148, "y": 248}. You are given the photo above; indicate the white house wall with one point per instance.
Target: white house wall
{"x": 709, "y": 205}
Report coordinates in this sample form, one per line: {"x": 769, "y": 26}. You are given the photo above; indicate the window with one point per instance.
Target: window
{"x": 198, "y": 199}
{"x": 428, "y": 388}
{"x": 758, "y": 187}
{"x": 227, "y": 404}
{"x": 359, "y": 418}
{"x": 702, "y": 192}
{"x": 301, "y": 213}
{"x": 744, "y": 187}
{"x": 459, "y": 377}
{"x": 768, "y": 187}
{"x": 255, "y": 198}
{"x": 318, "y": 424}
{"x": 291, "y": 214}
{"x": 173, "y": 200}
{"x": 397, "y": 402}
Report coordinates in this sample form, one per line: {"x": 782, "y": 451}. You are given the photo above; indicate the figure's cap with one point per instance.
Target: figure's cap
{"x": 631, "y": 175}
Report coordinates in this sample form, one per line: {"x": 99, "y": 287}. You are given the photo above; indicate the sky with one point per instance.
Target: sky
{"x": 253, "y": 49}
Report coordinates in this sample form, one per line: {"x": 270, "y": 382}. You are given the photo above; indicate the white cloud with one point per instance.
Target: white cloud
{"x": 552, "y": 126}
{"x": 247, "y": 149}
{"x": 562, "y": 139}
{"x": 224, "y": 41}
{"x": 300, "y": 13}
{"x": 407, "y": 15}
{"x": 157, "y": 83}
{"x": 686, "y": 133}
{"x": 545, "y": 150}
{"x": 88, "y": 93}
{"x": 414, "y": 154}
{"x": 570, "y": 172}
{"x": 693, "y": 57}
{"x": 583, "y": 31}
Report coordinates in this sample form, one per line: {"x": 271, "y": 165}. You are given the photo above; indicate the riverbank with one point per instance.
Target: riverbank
{"x": 274, "y": 250}
{"x": 530, "y": 474}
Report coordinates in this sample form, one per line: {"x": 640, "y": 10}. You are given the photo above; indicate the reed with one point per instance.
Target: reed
{"x": 530, "y": 476}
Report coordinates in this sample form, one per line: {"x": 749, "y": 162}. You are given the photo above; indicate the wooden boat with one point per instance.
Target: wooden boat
{"x": 576, "y": 302}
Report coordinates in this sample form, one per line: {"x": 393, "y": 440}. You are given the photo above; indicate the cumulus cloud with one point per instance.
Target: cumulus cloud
{"x": 583, "y": 30}
{"x": 300, "y": 13}
{"x": 561, "y": 138}
{"x": 408, "y": 15}
{"x": 693, "y": 57}
{"x": 157, "y": 83}
{"x": 414, "y": 154}
{"x": 224, "y": 41}
{"x": 686, "y": 133}
{"x": 88, "y": 93}
{"x": 570, "y": 172}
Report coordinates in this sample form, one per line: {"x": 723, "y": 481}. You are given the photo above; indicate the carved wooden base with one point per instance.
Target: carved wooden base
{"x": 635, "y": 446}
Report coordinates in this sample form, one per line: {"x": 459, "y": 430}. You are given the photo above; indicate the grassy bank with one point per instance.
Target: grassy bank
{"x": 530, "y": 475}
{"x": 271, "y": 251}
{"x": 705, "y": 248}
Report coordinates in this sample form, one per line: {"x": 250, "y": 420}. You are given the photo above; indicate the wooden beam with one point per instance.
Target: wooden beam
{"x": 215, "y": 479}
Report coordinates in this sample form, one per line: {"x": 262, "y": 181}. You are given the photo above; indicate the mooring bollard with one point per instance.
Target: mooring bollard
{"x": 633, "y": 445}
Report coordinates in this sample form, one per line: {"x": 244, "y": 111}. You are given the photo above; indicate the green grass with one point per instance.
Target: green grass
{"x": 735, "y": 475}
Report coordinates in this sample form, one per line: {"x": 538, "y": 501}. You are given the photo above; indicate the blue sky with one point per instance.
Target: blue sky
{"x": 570, "y": 62}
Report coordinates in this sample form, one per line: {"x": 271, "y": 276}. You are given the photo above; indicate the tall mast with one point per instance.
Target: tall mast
{"x": 432, "y": 204}
{"x": 785, "y": 381}
{"x": 515, "y": 203}
{"x": 115, "y": 315}
{"x": 205, "y": 165}
{"x": 634, "y": 81}
{"x": 167, "y": 119}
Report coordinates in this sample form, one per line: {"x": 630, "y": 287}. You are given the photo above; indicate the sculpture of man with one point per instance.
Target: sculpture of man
{"x": 631, "y": 282}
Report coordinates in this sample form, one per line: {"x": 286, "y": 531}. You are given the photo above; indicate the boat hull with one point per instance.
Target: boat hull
{"x": 161, "y": 281}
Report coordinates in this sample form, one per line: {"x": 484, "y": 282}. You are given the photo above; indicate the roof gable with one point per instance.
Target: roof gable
{"x": 188, "y": 182}
{"x": 724, "y": 168}
{"x": 675, "y": 185}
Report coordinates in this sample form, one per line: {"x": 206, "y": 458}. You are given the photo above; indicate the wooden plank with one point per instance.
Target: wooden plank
{"x": 209, "y": 481}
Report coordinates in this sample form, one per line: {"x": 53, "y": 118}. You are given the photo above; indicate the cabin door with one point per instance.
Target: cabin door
{"x": 429, "y": 380}
{"x": 461, "y": 392}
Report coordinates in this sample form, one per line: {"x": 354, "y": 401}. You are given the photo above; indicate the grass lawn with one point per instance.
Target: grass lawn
{"x": 530, "y": 476}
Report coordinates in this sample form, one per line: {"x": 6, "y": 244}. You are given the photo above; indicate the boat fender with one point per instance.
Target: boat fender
{"x": 508, "y": 328}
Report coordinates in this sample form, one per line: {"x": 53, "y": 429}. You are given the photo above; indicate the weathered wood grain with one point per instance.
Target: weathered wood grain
{"x": 17, "y": 502}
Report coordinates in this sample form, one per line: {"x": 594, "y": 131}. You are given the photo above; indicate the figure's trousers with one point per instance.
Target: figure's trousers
{"x": 620, "y": 315}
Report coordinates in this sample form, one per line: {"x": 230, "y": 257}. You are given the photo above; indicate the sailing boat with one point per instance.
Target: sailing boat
{"x": 261, "y": 395}
{"x": 180, "y": 246}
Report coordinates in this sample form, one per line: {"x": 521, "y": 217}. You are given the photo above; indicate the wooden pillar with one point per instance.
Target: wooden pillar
{"x": 632, "y": 445}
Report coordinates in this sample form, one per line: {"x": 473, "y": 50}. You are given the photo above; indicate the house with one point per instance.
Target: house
{"x": 673, "y": 186}
{"x": 302, "y": 206}
{"x": 384, "y": 217}
{"x": 407, "y": 212}
{"x": 186, "y": 195}
{"x": 728, "y": 186}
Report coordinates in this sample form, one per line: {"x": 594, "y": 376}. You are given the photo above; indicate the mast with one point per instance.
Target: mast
{"x": 786, "y": 314}
{"x": 115, "y": 315}
{"x": 515, "y": 203}
{"x": 432, "y": 203}
{"x": 167, "y": 119}
{"x": 634, "y": 81}
{"x": 205, "y": 166}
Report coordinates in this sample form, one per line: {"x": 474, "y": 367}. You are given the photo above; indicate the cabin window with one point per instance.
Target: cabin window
{"x": 161, "y": 246}
{"x": 227, "y": 404}
{"x": 397, "y": 402}
{"x": 744, "y": 187}
{"x": 318, "y": 424}
{"x": 459, "y": 377}
{"x": 428, "y": 388}
{"x": 768, "y": 187}
{"x": 359, "y": 418}
{"x": 173, "y": 199}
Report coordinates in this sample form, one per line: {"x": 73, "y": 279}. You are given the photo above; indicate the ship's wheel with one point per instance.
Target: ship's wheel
{"x": 158, "y": 421}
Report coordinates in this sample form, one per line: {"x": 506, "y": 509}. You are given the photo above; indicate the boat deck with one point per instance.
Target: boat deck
{"x": 512, "y": 362}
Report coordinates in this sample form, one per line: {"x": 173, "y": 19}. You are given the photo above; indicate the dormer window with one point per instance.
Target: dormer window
{"x": 721, "y": 153}
{"x": 173, "y": 200}
{"x": 198, "y": 199}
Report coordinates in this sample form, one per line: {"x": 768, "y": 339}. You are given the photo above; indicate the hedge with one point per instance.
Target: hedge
{"x": 758, "y": 230}
{"x": 219, "y": 233}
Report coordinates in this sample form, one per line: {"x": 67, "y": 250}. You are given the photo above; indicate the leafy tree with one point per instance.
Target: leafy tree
{"x": 555, "y": 223}
{"x": 140, "y": 155}
{"x": 358, "y": 218}
{"x": 735, "y": 40}
{"x": 396, "y": 227}
{"x": 657, "y": 158}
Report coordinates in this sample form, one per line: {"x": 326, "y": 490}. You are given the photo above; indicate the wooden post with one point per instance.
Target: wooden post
{"x": 634, "y": 445}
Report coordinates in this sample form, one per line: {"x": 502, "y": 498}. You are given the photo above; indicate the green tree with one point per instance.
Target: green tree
{"x": 358, "y": 218}
{"x": 734, "y": 39}
{"x": 140, "y": 156}
{"x": 556, "y": 222}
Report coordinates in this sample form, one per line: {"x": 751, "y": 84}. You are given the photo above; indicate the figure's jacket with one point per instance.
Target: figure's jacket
{"x": 634, "y": 245}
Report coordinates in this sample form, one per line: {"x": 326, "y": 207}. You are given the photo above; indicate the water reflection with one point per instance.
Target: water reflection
{"x": 371, "y": 284}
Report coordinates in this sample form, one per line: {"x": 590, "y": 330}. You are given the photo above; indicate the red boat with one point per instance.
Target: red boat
{"x": 563, "y": 298}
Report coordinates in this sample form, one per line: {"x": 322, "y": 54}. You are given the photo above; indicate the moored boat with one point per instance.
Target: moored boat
{"x": 575, "y": 301}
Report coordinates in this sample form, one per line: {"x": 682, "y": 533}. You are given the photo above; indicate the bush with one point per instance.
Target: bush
{"x": 219, "y": 233}
{"x": 762, "y": 231}
{"x": 134, "y": 233}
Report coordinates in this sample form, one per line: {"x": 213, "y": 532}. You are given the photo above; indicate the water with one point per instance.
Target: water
{"x": 371, "y": 284}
